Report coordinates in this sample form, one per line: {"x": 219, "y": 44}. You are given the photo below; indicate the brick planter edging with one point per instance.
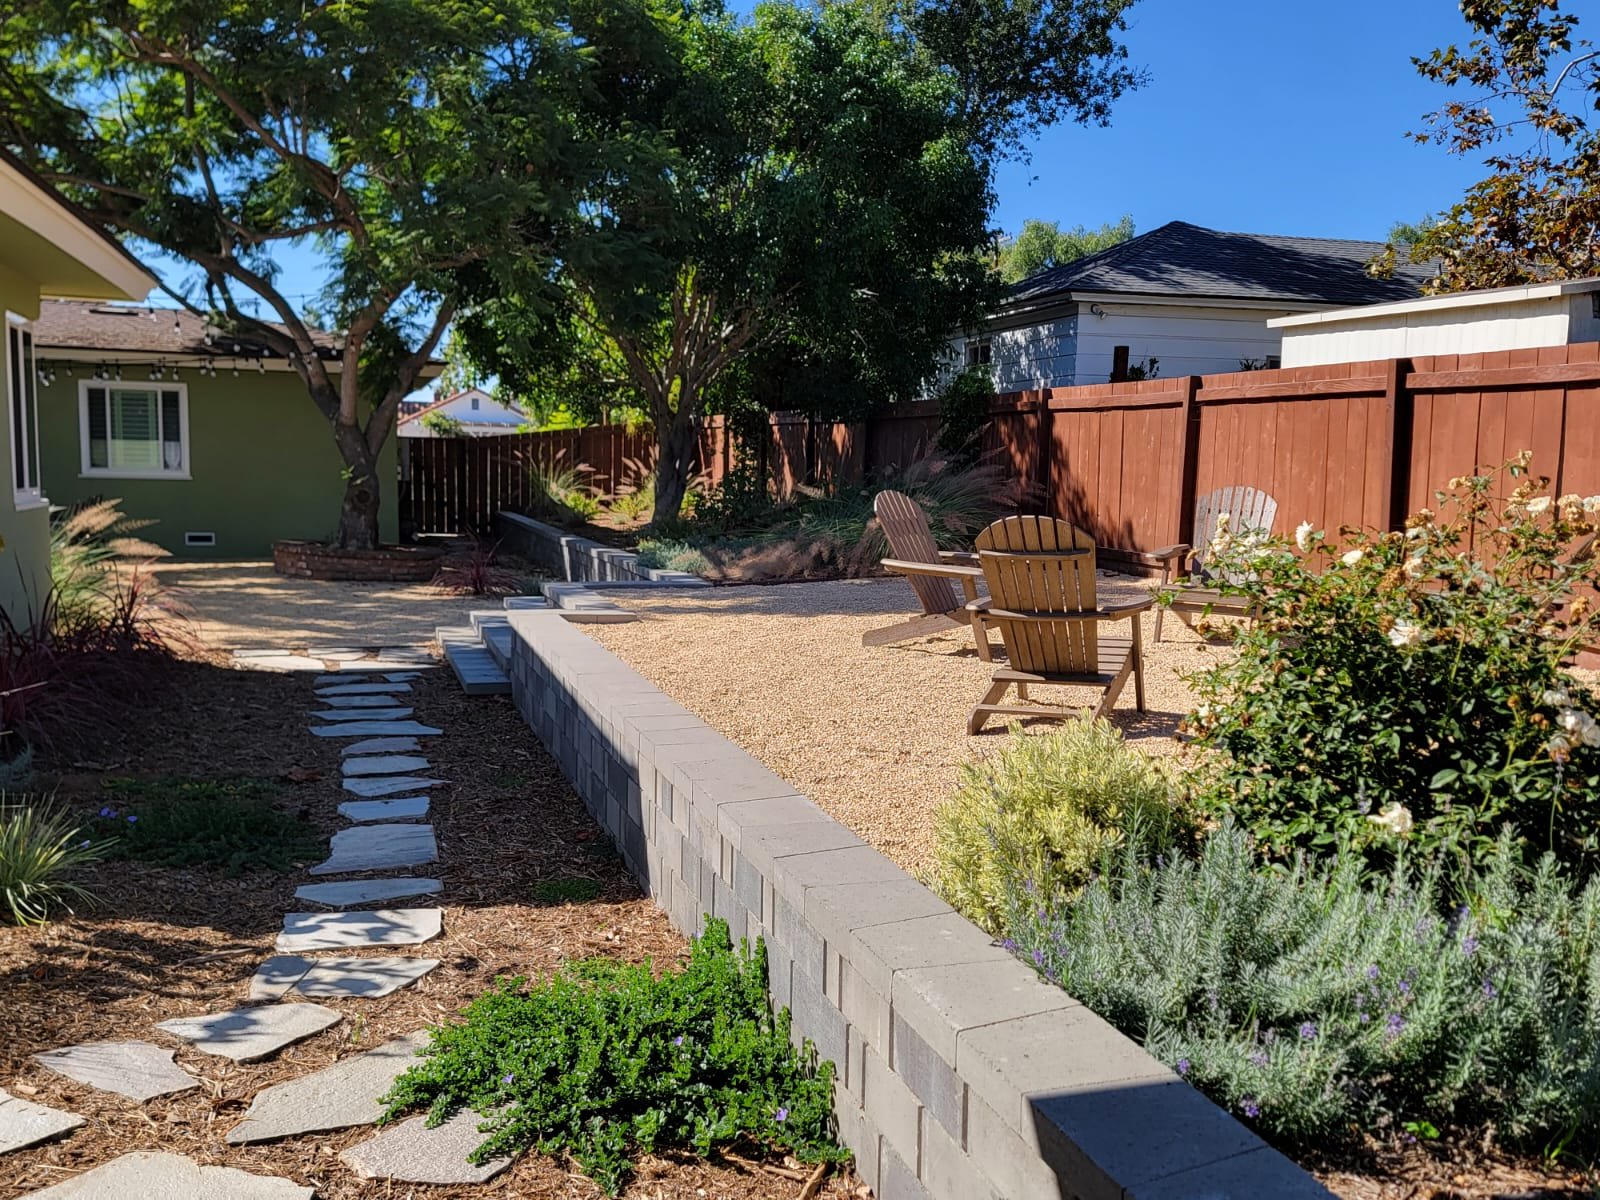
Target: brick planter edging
{"x": 961, "y": 1075}
{"x": 387, "y": 564}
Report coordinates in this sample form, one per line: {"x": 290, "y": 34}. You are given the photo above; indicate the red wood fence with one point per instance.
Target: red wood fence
{"x": 1349, "y": 443}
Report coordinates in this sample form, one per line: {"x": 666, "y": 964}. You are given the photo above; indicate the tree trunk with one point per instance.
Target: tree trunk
{"x": 675, "y": 461}
{"x": 358, "y": 515}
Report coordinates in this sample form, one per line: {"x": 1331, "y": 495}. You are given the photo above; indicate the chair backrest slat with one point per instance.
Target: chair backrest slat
{"x": 905, "y": 526}
{"x": 1038, "y": 565}
{"x": 1247, "y": 508}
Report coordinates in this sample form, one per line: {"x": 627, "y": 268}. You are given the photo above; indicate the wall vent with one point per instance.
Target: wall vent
{"x": 193, "y": 538}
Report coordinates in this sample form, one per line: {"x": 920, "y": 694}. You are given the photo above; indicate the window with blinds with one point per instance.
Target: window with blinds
{"x": 134, "y": 431}
{"x": 22, "y": 397}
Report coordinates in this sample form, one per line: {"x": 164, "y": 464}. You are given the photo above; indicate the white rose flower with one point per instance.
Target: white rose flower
{"x": 1580, "y": 726}
{"x": 1396, "y": 819}
{"x": 1302, "y": 536}
{"x": 1571, "y": 719}
{"x": 1591, "y": 504}
{"x": 1591, "y": 733}
{"x": 1415, "y": 566}
{"x": 1556, "y": 698}
{"x": 1538, "y": 505}
{"x": 1351, "y": 557}
{"x": 1406, "y": 633}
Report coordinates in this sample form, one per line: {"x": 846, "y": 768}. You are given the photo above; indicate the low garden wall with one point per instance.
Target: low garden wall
{"x": 960, "y": 1074}
{"x": 576, "y": 559}
{"x": 387, "y": 564}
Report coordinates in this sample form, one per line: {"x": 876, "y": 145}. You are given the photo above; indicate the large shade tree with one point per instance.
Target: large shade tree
{"x": 408, "y": 139}
{"x": 811, "y": 219}
{"x": 1527, "y": 89}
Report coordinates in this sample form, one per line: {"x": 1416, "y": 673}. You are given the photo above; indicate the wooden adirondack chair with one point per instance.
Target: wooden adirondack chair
{"x": 1184, "y": 565}
{"x": 931, "y": 572}
{"x": 1041, "y": 581}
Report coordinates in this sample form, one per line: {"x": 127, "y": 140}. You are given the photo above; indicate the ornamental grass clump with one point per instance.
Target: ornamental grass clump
{"x": 1411, "y": 687}
{"x": 1047, "y": 809}
{"x": 41, "y": 846}
{"x": 1320, "y": 1004}
{"x": 606, "y": 1061}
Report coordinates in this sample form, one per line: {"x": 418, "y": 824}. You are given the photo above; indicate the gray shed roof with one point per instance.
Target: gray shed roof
{"x": 1178, "y": 260}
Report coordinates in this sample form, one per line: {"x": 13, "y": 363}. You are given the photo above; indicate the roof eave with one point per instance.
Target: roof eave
{"x": 39, "y": 207}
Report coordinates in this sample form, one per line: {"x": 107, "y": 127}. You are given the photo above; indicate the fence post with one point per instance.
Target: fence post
{"x": 1395, "y": 496}
{"x": 1188, "y": 461}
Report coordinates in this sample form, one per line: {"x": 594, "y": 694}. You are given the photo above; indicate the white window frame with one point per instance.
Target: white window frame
{"x": 25, "y": 496}
{"x": 86, "y": 471}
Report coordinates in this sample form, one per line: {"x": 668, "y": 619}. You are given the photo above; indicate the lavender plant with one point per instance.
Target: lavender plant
{"x": 1315, "y": 1001}
{"x": 1413, "y": 686}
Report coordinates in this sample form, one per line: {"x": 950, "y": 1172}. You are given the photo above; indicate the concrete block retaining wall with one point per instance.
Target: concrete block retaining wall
{"x": 578, "y": 559}
{"x": 961, "y": 1075}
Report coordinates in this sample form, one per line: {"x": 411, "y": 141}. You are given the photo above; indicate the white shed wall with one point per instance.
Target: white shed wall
{"x": 1515, "y": 325}
{"x": 1186, "y": 341}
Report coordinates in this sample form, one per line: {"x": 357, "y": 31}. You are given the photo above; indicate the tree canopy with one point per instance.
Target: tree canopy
{"x": 411, "y": 140}
{"x": 1044, "y": 244}
{"x": 1531, "y": 87}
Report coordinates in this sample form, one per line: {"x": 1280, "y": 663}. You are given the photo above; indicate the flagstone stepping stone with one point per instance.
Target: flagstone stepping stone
{"x": 362, "y": 689}
{"x": 148, "y": 1175}
{"x": 340, "y": 654}
{"x": 279, "y": 662}
{"x": 363, "y": 714}
{"x": 385, "y": 764}
{"x": 343, "y": 677}
{"x": 382, "y": 745}
{"x": 403, "y": 676}
{"x": 24, "y": 1123}
{"x": 410, "y": 1152}
{"x": 137, "y": 1070}
{"x": 406, "y": 656}
{"x": 379, "y": 848}
{"x": 336, "y": 978}
{"x": 366, "y": 891}
{"x": 351, "y": 930}
{"x": 335, "y": 1097}
{"x": 368, "y": 728}
{"x": 400, "y": 808}
{"x": 248, "y": 1034}
{"x": 388, "y": 785}
{"x": 357, "y": 701}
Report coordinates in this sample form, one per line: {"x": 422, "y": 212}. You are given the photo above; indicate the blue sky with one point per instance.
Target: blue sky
{"x": 1259, "y": 116}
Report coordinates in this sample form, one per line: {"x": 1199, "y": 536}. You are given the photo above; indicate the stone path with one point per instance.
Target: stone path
{"x": 387, "y": 833}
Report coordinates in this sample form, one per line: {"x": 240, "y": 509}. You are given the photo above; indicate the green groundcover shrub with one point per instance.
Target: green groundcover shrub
{"x": 606, "y": 1061}
{"x": 1318, "y": 1003}
{"x": 1048, "y": 809}
{"x": 1410, "y": 687}
{"x": 231, "y": 823}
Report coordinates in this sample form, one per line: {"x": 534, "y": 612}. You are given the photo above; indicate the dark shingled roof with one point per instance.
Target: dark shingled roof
{"x": 1180, "y": 259}
{"x": 112, "y": 329}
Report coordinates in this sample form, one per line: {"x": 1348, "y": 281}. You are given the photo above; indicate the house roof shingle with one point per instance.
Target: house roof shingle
{"x": 1183, "y": 260}
{"x": 110, "y": 329}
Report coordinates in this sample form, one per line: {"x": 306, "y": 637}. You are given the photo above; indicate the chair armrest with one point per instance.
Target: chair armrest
{"x": 981, "y": 607}
{"x": 901, "y": 566}
{"x": 1005, "y": 614}
{"x": 1130, "y": 607}
{"x": 1167, "y": 553}
{"x": 959, "y": 556}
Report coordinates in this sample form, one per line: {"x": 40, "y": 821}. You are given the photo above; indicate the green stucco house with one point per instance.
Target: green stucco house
{"x": 207, "y": 432}
{"x": 46, "y": 249}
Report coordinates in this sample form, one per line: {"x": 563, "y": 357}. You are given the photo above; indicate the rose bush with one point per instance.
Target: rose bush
{"x": 1413, "y": 685}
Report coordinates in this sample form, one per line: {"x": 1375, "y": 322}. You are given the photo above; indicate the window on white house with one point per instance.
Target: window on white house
{"x": 474, "y": 404}
{"x": 134, "y": 431}
{"x": 979, "y": 352}
{"x": 22, "y": 398}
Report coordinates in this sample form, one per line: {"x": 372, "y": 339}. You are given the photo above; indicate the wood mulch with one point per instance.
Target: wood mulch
{"x": 170, "y": 942}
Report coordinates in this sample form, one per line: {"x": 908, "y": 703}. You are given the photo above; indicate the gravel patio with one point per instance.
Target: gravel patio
{"x": 876, "y": 736}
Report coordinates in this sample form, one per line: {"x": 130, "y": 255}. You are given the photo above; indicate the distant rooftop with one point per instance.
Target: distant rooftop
{"x": 1179, "y": 260}
{"x": 112, "y": 329}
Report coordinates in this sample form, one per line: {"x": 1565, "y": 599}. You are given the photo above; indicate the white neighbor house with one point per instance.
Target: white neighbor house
{"x": 475, "y": 411}
{"x": 1510, "y": 318}
{"x": 1194, "y": 301}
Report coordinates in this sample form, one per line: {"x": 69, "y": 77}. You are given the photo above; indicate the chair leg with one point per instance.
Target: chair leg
{"x": 1022, "y": 691}
{"x": 980, "y": 639}
{"x": 1137, "y": 656}
{"x": 1161, "y": 612}
{"x": 1114, "y": 689}
{"x": 995, "y": 693}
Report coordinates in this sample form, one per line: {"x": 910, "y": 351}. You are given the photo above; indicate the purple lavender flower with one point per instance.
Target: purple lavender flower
{"x": 507, "y": 1077}
{"x": 1394, "y": 1023}
{"x": 1365, "y": 1018}
{"x": 1183, "y": 1066}
{"x": 1259, "y": 1058}
{"x": 1489, "y": 989}
{"x": 108, "y": 812}
{"x": 1405, "y": 987}
{"x": 1250, "y": 1108}
{"x": 678, "y": 1041}
{"x": 781, "y": 1115}
{"x": 1308, "y": 1031}
{"x": 1038, "y": 958}
{"x": 1469, "y": 946}
{"x": 132, "y": 818}
{"x": 1009, "y": 945}
{"x": 1372, "y": 971}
